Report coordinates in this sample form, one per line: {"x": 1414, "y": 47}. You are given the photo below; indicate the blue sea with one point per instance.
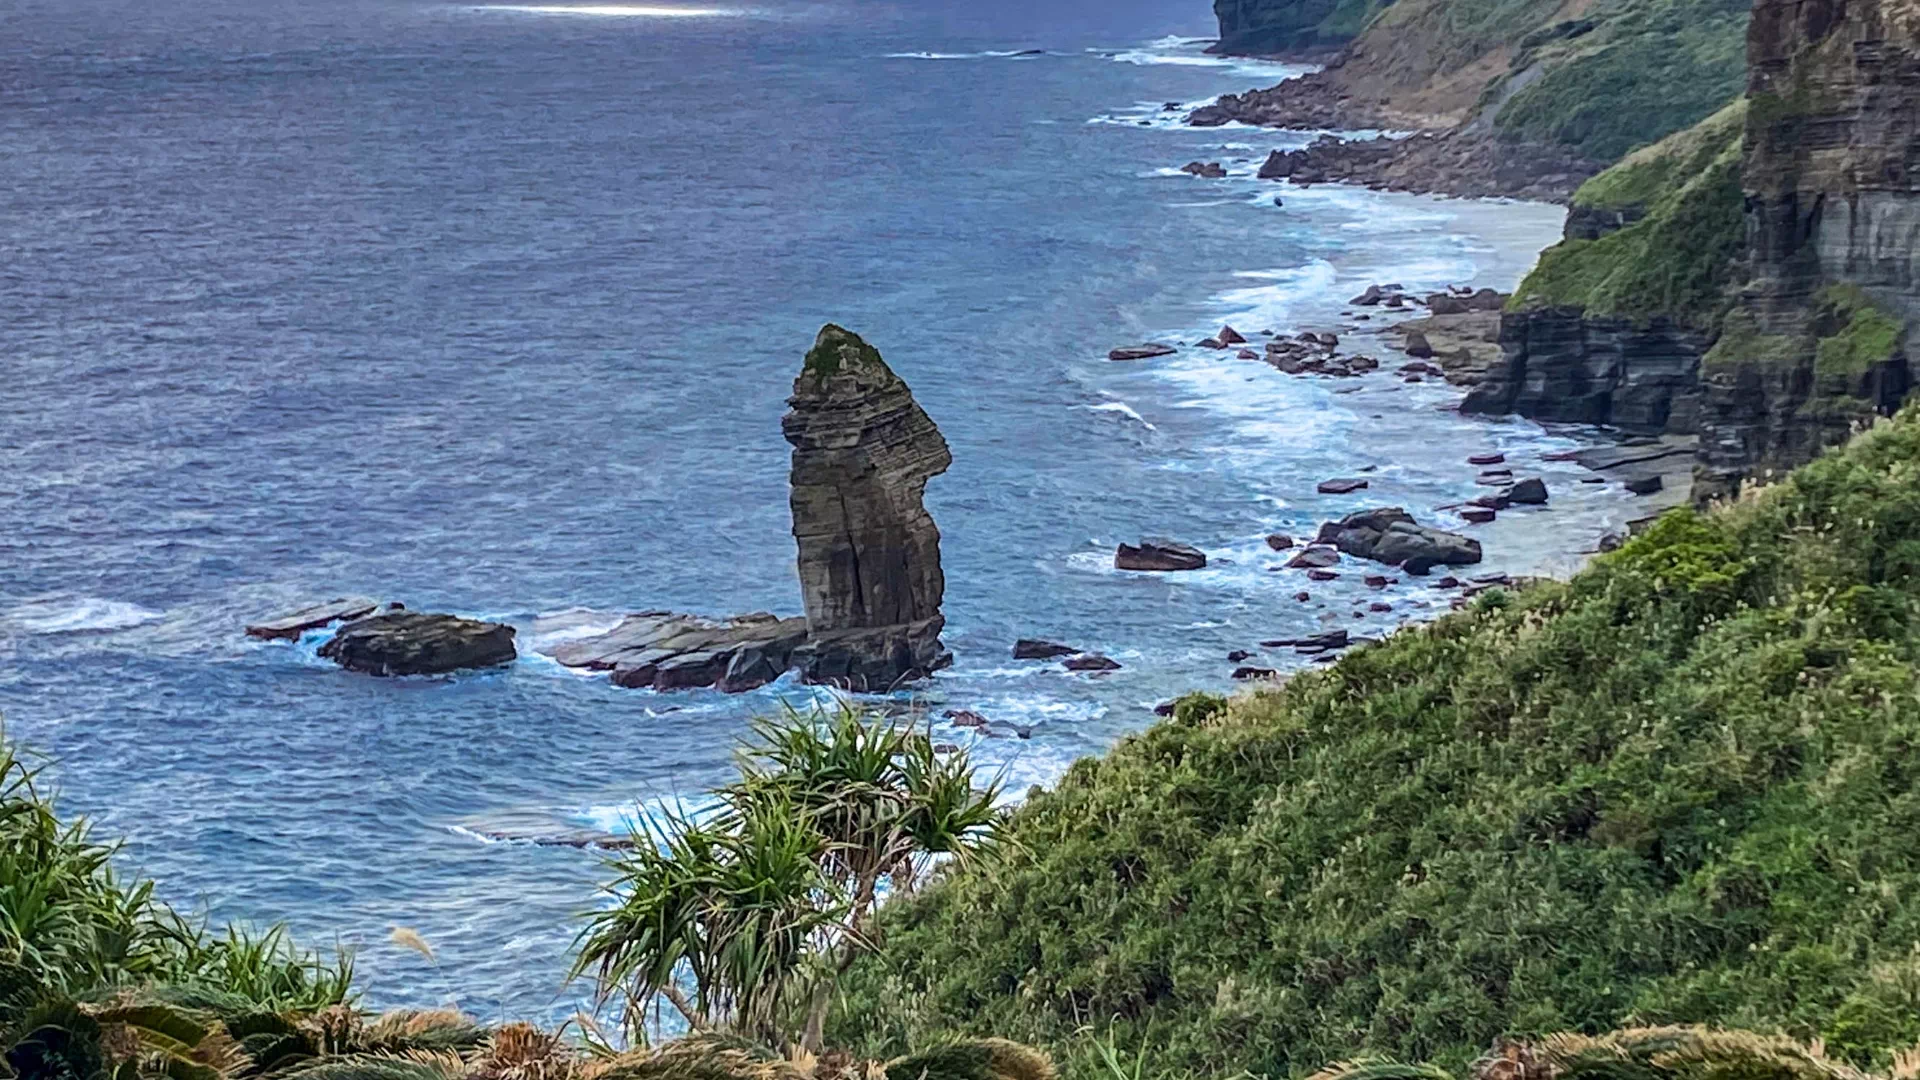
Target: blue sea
{"x": 493, "y": 309}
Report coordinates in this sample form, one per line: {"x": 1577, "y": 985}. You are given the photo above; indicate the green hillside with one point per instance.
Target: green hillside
{"x": 1682, "y": 787}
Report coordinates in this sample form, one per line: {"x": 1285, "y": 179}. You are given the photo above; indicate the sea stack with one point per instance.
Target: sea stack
{"x": 863, "y": 451}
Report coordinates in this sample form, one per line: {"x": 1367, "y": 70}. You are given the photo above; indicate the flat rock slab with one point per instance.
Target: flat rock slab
{"x": 415, "y": 643}
{"x": 1341, "y": 486}
{"x": 290, "y": 626}
{"x": 1141, "y": 352}
{"x": 664, "y": 650}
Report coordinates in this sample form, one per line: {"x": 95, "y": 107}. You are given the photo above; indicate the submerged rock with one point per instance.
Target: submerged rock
{"x": 1091, "y": 662}
{"x": 413, "y": 643}
{"x": 869, "y": 553}
{"x": 1341, "y": 486}
{"x": 1314, "y": 558}
{"x": 1038, "y": 649}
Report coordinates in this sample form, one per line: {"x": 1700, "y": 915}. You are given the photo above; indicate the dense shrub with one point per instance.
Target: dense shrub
{"x": 1681, "y": 788}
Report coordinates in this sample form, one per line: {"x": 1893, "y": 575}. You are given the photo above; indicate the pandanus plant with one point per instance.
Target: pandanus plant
{"x": 736, "y": 917}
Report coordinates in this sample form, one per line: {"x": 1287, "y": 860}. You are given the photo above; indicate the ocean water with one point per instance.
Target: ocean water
{"x": 493, "y": 309}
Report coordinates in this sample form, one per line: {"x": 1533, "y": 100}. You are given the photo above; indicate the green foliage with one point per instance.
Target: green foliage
{"x": 1641, "y": 178}
{"x": 1194, "y": 710}
{"x": 1881, "y": 1014}
{"x": 73, "y": 927}
{"x": 1742, "y": 342}
{"x": 1650, "y": 68}
{"x": 1680, "y": 788}
{"x": 732, "y": 919}
{"x": 1678, "y": 259}
{"x": 1672, "y": 1052}
{"x": 1855, "y": 334}
{"x": 830, "y": 350}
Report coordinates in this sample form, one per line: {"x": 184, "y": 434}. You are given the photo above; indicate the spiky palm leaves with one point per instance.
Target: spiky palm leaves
{"x": 731, "y": 917}
{"x": 732, "y": 904}
{"x": 74, "y": 928}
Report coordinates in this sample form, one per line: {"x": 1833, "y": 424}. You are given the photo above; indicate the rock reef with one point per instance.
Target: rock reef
{"x": 868, "y": 564}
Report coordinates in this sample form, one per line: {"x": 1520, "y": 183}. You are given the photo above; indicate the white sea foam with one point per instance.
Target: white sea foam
{"x": 645, "y": 816}
{"x": 1191, "y": 52}
{"x": 990, "y": 54}
{"x": 82, "y": 615}
{"x": 1123, "y": 409}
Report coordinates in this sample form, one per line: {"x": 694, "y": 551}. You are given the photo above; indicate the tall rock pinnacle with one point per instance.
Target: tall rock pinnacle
{"x": 863, "y": 451}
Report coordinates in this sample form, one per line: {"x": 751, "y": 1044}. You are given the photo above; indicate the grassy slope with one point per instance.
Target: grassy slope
{"x": 1650, "y": 68}
{"x": 1683, "y": 786}
{"x": 1608, "y": 76}
{"x": 1676, "y": 260}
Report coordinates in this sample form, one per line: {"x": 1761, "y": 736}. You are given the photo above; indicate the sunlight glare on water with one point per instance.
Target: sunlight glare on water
{"x": 626, "y": 10}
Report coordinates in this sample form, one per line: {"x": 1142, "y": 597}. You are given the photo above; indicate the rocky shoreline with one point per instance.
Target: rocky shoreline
{"x": 1458, "y": 162}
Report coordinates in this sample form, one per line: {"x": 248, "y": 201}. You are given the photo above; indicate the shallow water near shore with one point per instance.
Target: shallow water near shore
{"x": 494, "y": 309}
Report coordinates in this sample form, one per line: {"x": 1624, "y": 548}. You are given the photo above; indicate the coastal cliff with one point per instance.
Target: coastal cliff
{"x": 1816, "y": 343}
{"x": 1273, "y": 27}
{"x": 1545, "y": 93}
{"x": 1752, "y": 280}
{"x": 1611, "y": 326}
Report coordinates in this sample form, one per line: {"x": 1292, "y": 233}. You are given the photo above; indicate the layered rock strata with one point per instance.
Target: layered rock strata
{"x": 869, "y": 553}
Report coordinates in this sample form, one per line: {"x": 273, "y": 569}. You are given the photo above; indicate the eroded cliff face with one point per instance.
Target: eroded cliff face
{"x": 1273, "y": 27}
{"x": 1612, "y": 324}
{"x": 1784, "y": 266}
{"x": 1817, "y": 342}
{"x": 1562, "y": 365}
{"x": 863, "y": 451}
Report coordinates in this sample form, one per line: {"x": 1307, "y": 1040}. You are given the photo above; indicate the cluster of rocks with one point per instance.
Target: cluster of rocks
{"x": 869, "y": 565}
{"x": 1309, "y": 103}
{"x": 1388, "y": 535}
{"x": 1315, "y": 353}
{"x": 386, "y": 639}
{"x": 1462, "y": 164}
{"x": 1207, "y": 170}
